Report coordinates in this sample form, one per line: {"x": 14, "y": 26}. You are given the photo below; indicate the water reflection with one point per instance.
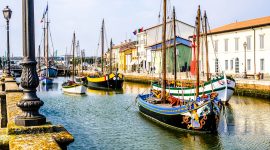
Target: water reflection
{"x": 47, "y": 88}
{"x": 227, "y": 123}
{"x": 105, "y": 92}
{"x": 108, "y": 124}
{"x": 135, "y": 88}
{"x": 188, "y": 139}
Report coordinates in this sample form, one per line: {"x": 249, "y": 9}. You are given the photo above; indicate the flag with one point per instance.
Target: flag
{"x": 135, "y": 32}
{"x": 140, "y": 30}
{"x": 44, "y": 14}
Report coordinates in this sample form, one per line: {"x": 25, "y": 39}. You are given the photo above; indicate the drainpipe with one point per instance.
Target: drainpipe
{"x": 254, "y": 35}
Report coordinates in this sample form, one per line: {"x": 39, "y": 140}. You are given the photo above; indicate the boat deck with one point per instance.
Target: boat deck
{"x": 158, "y": 102}
{"x": 165, "y": 105}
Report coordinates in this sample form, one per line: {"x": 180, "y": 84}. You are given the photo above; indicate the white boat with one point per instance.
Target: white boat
{"x": 223, "y": 85}
{"x": 74, "y": 88}
{"x": 71, "y": 86}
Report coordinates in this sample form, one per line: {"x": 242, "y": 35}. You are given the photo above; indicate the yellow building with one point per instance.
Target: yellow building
{"x": 128, "y": 56}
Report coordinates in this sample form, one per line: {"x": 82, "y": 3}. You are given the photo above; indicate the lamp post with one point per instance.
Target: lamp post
{"x": 245, "y": 55}
{"x": 7, "y": 15}
{"x": 29, "y": 103}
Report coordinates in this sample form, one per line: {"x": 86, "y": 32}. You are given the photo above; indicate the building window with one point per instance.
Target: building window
{"x": 226, "y": 65}
{"x": 236, "y": 40}
{"x": 231, "y": 64}
{"x": 236, "y": 65}
{"x": 226, "y": 44}
{"x": 248, "y": 42}
{"x": 262, "y": 41}
{"x": 216, "y": 65}
{"x": 248, "y": 64}
{"x": 262, "y": 64}
{"x": 216, "y": 45}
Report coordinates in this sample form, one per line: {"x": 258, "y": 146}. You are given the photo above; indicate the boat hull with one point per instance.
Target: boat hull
{"x": 174, "y": 118}
{"x": 52, "y": 72}
{"x": 47, "y": 81}
{"x": 223, "y": 85}
{"x": 111, "y": 81}
{"x": 78, "y": 89}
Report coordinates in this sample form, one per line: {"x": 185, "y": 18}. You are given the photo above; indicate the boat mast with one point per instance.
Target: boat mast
{"x": 174, "y": 46}
{"x": 47, "y": 46}
{"x": 102, "y": 47}
{"x": 111, "y": 56}
{"x": 79, "y": 54}
{"x": 44, "y": 45}
{"x": 82, "y": 61}
{"x": 198, "y": 25}
{"x": 73, "y": 55}
{"x": 39, "y": 66}
{"x": 163, "y": 92}
{"x": 206, "y": 47}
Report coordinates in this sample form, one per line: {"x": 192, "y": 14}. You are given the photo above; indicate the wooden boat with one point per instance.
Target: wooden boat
{"x": 52, "y": 71}
{"x": 71, "y": 86}
{"x": 107, "y": 81}
{"x": 46, "y": 72}
{"x": 222, "y": 84}
{"x": 100, "y": 80}
{"x": 80, "y": 79}
{"x": 200, "y": 114}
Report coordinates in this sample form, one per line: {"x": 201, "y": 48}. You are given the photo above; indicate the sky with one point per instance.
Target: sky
{"x": 121, "y": 17}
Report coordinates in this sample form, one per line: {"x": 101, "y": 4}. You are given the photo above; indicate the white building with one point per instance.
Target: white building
{"x": 153, "y": 35}
{"x": 227, "y": 50}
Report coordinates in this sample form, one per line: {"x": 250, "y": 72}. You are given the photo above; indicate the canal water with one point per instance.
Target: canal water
{"x": 106, "y": 120}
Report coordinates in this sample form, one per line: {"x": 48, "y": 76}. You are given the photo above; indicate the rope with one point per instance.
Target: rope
{"x": 51, "y": 38}
{"x": 211, "y": 36}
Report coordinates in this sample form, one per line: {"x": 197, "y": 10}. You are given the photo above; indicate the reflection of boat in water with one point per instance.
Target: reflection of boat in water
{"x": 46, "y": 80}
{"x": 199, "y": 141}
{"x": 227, "y": 124}
{"x": 105, "y": 92}
{"x": 48, "y": 87}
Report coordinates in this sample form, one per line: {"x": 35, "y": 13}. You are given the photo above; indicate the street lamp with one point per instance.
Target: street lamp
{"x": 245, "y": 55}
{"x": 29, "y": 103}
{"x": 7, "y": 15}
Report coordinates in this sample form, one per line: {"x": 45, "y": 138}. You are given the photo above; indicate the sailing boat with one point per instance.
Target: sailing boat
{"x": 200, "y": 115}
{"x": 49, "y": 70}
{"x": 222, "y": 84}
{"x": 45, "y": 76}
{"x": 71, "y": 86}
{"x": 100, "y": 80}
{"x": 81, "y": 78}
